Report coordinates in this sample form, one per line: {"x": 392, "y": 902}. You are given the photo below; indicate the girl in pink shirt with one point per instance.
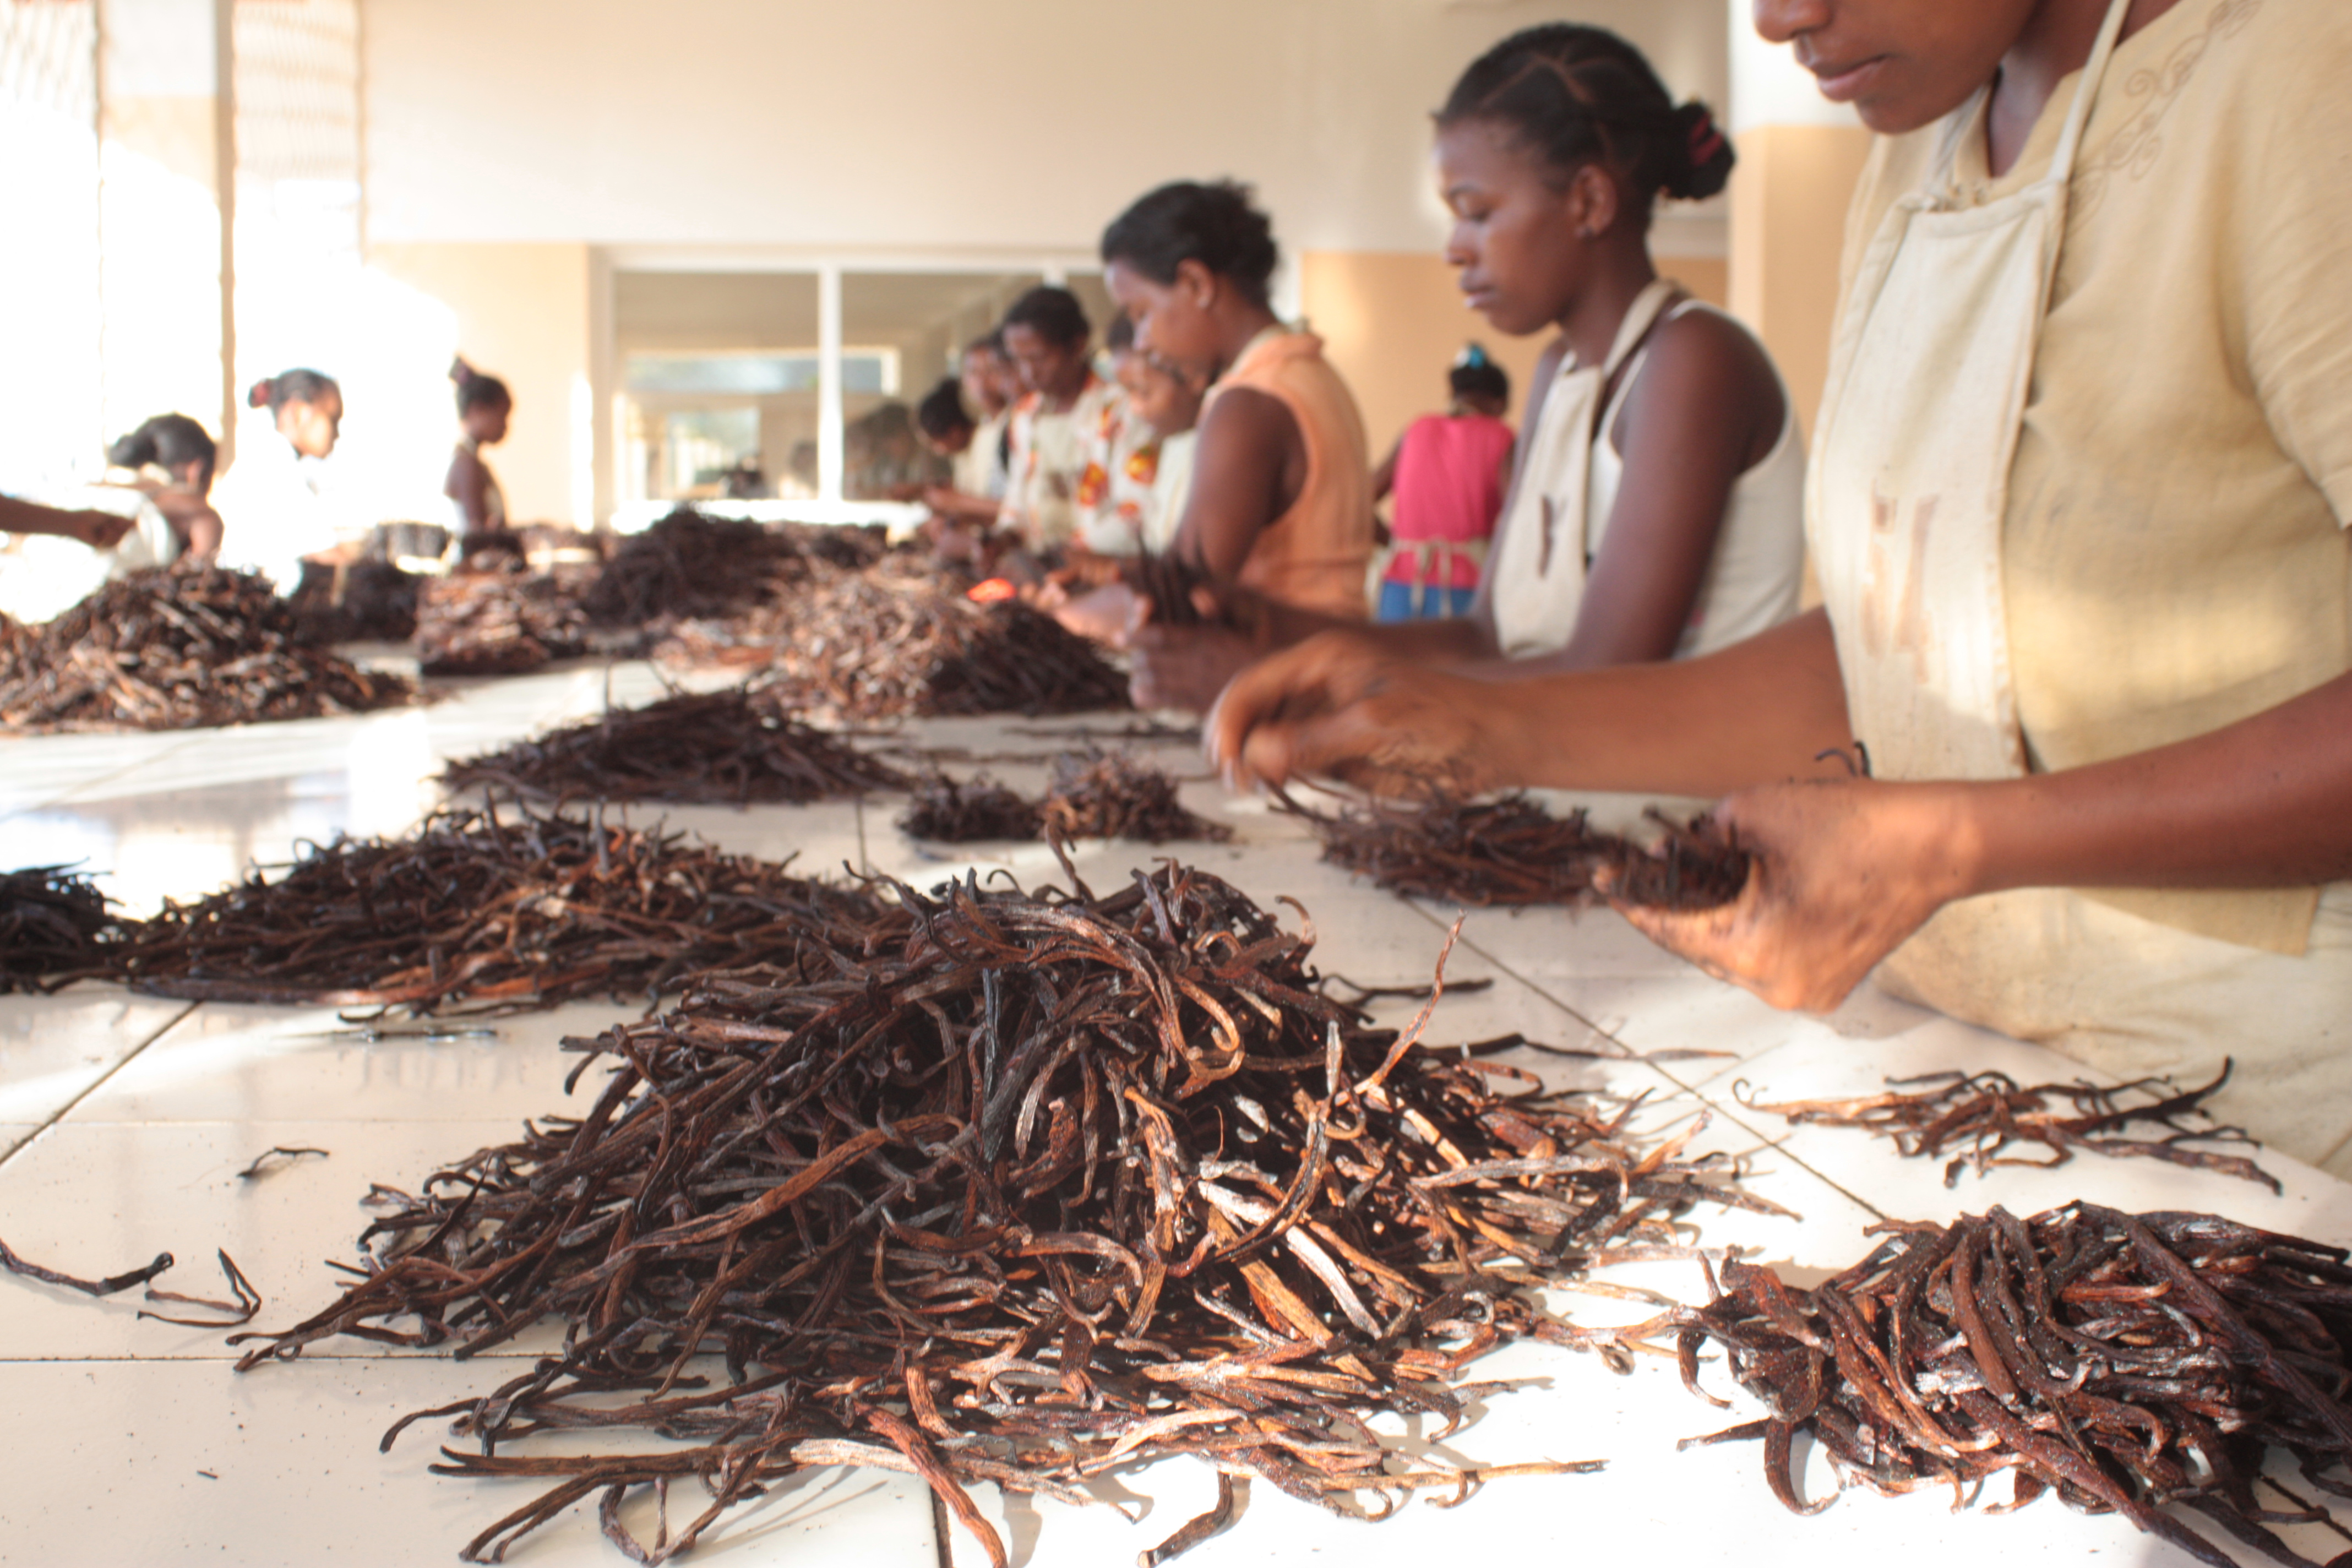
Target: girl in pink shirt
{"x": 1448, "y": 473}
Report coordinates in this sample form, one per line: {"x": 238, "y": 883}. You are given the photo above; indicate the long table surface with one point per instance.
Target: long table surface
{"x": 125, "y": 1119}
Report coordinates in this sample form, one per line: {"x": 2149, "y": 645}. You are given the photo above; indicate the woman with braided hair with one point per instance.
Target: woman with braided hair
{"x": 1657, "y": 507}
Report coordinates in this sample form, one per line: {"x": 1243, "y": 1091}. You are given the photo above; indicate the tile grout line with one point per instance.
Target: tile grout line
{"x": 1697, "y": 1092}
{"x": 175, "y": 1021}
{"x": 67, "y": 798}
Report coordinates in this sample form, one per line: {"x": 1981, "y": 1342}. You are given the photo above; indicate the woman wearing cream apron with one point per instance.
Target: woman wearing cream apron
{"x": 2077, "y": 505}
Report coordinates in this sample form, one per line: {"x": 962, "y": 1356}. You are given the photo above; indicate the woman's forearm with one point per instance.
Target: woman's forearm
{"x": 1762, "y": 710}
{"x": 2266, "y": 802}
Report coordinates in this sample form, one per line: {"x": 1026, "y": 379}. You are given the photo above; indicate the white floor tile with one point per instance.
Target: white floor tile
{"x": 14, "y": 1135}
{"x": 1708, "y": 1507}
{"x": 54, "y": 1048}
{"x": 92, "y": 1200}
{"x": 2314, "y": 1204}
{"x": 151, "y": 1463}
{"x": 37, "y": 769}
{"x": 232, "y": 1063}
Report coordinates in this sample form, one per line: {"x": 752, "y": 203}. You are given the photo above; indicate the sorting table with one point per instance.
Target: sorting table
{"x": 124, "y": 1120}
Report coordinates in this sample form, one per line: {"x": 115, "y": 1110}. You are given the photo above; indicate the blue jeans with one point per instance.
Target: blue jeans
{"x": 1436, "y": 603}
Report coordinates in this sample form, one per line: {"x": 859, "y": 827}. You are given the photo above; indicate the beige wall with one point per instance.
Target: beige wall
{"x": 1392, "y": 322}
{"x": 522, "y": 315}
{"x": 913, "y": 123}
{"x": 1789, "y": 196}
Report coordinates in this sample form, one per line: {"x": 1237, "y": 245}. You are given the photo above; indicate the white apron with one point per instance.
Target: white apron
{"x": 1540, "y": 560}
{"x": 1921, "y": 415}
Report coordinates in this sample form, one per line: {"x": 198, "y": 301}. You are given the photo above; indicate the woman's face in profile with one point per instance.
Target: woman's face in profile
{"x": 1902, "y": 64}
{"x": 312, "y": 428}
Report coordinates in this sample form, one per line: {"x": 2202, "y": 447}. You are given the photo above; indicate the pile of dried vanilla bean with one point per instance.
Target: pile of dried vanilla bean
{"x": 2127, "y": 1363}
{"x": 1976, "y": 1117}
{"x": 947, "y": 811}
{"x": 1048, "y": 1186}
{"x": 497, "y": 914}
{"x": 690, "y": 565}
{"x": 496, "y": 622}
{"x": 178, "y": 648}
{"x": 366, "y": 601}
{"x": 894, "y": 640}
{"x": 1099, "y": 795}
{"x": 1512, "y": 851}
{"x": 53, "y": 926}
{"x": 728, "y": 748}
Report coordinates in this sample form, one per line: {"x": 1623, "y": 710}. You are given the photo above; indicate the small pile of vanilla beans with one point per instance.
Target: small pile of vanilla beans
{"x": 690, "y": 565}
{"x": 947, "y": 812}
{"x": 2127, "y": 1363}
{"x": 180, "y": 647}
{"x": 894, "y": 640}
{"x": 1511, "y": 851}
{"x": 366, "y": 601}
{"x": 1049, "y": 1186}
{"x": 498, "y": 915}
{"x": 1978, "y": 1116}
{"x": 492, "y": 621}
{"x": 1097, "y": 795}
{"x": 726, "y": 748}
{"x": 54, "y": 927}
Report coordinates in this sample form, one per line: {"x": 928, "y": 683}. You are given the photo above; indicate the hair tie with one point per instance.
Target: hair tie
{"x": 1705, "y": 140}
{"x": 1472, "y": 357}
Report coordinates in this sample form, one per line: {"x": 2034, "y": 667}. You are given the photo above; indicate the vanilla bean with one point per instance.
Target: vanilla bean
{"x": 1030, "y": 1187}
{"x": 716, "y": 748}
{"x": 186, "y": 646}
{"x": 2130, "y": 1365}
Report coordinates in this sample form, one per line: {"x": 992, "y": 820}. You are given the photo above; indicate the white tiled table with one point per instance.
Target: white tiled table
{"x": 124, "y": 1120}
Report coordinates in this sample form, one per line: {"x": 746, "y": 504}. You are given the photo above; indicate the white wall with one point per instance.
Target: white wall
{"x": 932, "y": 123}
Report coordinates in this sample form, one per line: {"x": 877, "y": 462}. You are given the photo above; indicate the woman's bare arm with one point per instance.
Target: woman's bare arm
{"x": 1763, "y": 709}
{"x": 1846, "y": 873}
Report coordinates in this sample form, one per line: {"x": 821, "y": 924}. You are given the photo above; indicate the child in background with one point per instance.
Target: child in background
{"x": 1122, "y": 459}
{"x": 1046, "y": 333}
{"x": 1448, "y": 473}
{"x": 944, "y": 421}
{"x": 484, "y": 408}
{"x": 170, "y": 458}
{"x": 1168, "y": 401}
{"x": 271, "y": 499}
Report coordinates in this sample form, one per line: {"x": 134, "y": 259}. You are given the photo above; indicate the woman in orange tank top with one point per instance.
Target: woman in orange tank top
{"x": 1281, "y": 500}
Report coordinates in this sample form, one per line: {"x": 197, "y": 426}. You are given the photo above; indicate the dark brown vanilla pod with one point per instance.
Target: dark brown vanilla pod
{"x": 720, "y": 748}
{"x": 1031, "y": 1188}
{"x": 2144, "y": 1365}
{"x": 979, "y": 808}
{"x": 896, "y": 640}
{"x": 1510, "y": 851}
{"x": 495, "y": 913}
{"x": 55, "y": 927}
{"x": 1978, "y": 1117}
{"x": 1099, "y": 795}
{"x": 180, "y": 647}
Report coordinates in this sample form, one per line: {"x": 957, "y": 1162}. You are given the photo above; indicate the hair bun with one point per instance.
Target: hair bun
{"x": 1707, "y": 154}
{"x": 258, "y": 395}
{"x": 460, "y": 371}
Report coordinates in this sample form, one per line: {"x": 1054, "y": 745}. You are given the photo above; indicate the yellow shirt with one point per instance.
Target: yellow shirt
{"x": 2175, "y": 553}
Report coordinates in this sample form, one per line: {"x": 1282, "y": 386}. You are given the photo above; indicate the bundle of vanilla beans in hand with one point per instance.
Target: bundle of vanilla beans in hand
{"x": 2132, "y": 1365}
{"x": 1040, "y": 1186}
{"x": 497, "y": 914}
{"x": 1512, "y": 851}
{"x": 180, "y": 647}
{"x": 730, "y": 747}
